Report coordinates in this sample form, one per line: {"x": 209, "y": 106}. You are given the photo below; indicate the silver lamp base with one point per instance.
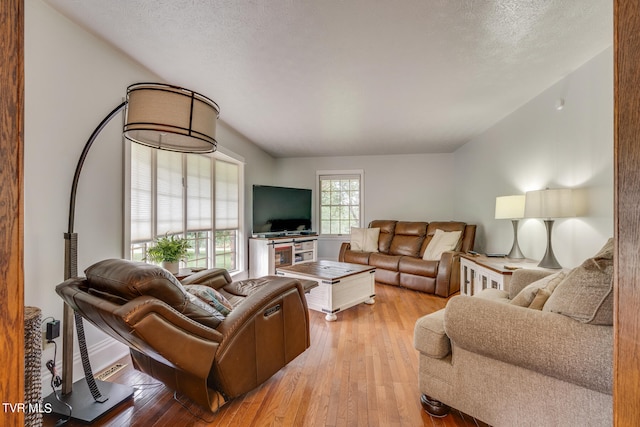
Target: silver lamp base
{"x": 549, "y": 259}
{"x": 515, "y": 252}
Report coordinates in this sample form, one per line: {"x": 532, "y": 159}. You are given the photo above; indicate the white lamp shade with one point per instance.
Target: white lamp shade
{"x": 170, "y": 118}
{"x": 510, "y": 207}
{"x": 549, "y": 203}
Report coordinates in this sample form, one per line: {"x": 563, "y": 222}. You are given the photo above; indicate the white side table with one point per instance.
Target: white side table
{"x": 482, "y": 272}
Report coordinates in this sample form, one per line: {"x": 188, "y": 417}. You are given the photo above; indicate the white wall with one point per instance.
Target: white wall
{"x": 403, "y": 187}
{"x": 537, "y": 147}
{"x": 72, "y": 80}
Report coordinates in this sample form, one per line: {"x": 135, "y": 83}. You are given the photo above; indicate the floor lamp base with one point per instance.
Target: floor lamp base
{"x": 84, "y": 408}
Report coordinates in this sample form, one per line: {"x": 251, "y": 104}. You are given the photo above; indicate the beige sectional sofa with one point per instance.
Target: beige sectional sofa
{"x": 537, "y": 355}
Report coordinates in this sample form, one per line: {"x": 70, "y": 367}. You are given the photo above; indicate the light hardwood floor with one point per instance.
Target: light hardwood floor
{"x": 359, "y": 371}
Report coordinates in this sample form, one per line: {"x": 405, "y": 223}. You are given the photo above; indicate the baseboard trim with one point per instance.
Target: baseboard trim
{"x": 101, "y": 354}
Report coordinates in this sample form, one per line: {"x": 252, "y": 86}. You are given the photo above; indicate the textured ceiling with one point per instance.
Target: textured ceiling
{"x": 352, "y": 77}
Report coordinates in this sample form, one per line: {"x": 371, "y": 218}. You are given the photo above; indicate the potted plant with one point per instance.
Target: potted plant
{"x": 168, "y": 251}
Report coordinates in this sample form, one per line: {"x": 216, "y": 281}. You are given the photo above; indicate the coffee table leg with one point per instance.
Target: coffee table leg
{"x": 331, "y": 317}
{"x": 370, "y": 301}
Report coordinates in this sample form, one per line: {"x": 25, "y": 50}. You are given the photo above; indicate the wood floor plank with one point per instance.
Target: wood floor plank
{"x": 360, "y": 370}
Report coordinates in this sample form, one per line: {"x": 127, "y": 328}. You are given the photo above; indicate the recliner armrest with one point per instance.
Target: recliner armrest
{"x": 213, "y": 277}
{"x": 545, "y": 342}
{"x": 262, "y": 334}
{"x": 256, "y": 301}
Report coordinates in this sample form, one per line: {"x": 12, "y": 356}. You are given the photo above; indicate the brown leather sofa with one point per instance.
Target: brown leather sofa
{"x": 201, "y": 356}
{"x": 399, "y": 262}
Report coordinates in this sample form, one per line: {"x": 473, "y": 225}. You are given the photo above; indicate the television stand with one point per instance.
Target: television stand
{"x": 268, "y": 253}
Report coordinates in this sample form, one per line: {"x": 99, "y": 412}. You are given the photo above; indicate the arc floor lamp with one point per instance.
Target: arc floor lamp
{"x": 161, "y": 116}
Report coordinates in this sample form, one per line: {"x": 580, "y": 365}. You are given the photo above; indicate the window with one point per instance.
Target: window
{"x": 191, "y": 195}
{"x": 340, "y": 201}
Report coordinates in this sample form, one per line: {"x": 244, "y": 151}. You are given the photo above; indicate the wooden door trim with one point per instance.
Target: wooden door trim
{"x": 11, "y": 206}
{"x": 626, "y": 367}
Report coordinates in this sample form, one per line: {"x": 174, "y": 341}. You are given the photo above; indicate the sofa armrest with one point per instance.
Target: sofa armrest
{"x": 448, "y": 277}
{"x": 213, "y": 277}
{"x": 343, "y": 248}
{"x": 429, "y": 337}
{"x": 548, "y": 343}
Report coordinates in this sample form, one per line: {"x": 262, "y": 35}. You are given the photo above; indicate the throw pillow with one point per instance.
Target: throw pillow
{"x": 211, "y": 297}
{"x": 206, "y": 307}
{"x": 527, "y": 295}
{"x": 586, "y": 294}
{"x": 364, "y": 239}
{"x": 441, "y": 241}
{"x": 540, "y": 299}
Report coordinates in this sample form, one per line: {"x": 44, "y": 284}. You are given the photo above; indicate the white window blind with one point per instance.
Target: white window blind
{"x": 141, "y": 193}
{"x": 170, "y": 192}
{"x": 227, "y": 195}
{"x": 199, "y": 198}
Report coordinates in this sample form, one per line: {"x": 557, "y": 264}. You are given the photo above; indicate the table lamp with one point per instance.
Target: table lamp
{"x": 548, "y": 204}
{"x": 511, "y": 207}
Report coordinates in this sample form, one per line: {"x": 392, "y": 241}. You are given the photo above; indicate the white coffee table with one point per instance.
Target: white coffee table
{"x": 341, "y": 285}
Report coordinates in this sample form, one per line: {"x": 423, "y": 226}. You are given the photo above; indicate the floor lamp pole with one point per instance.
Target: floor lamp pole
{"x": 87, "y": 402}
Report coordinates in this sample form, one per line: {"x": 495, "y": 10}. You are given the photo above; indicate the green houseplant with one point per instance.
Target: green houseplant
{"x": 169, "y": 250}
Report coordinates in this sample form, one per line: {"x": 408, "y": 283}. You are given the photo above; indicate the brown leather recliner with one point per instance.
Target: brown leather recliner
{"x": 176, "y": 341}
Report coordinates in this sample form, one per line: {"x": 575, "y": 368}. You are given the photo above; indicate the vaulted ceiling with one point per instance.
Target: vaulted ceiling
{"x": 353, "y": 77}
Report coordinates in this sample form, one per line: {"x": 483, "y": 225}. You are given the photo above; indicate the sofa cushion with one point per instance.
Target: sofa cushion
{"x": 418, "y": 266}
{"x": 586, "y": 294}
{"x": 494, "y": 295}
{"x": 387, "y": 230}
{"x": 526, "y": 296}
{"x": 523, "y": 277}
{"x": 365, "y": 239}
{"x": 429, "y": 336}
{"x": 129, "y": 280}
{"x": 442, "y": 241}
{"x": 408, "y": 238}
{"x": 387, "y": 262}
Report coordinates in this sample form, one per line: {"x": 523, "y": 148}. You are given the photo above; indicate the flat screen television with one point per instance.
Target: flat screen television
{"x": 281, "y": 209}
